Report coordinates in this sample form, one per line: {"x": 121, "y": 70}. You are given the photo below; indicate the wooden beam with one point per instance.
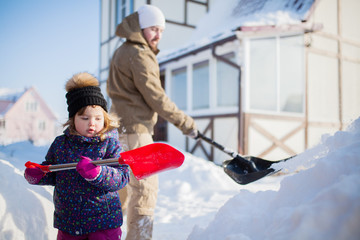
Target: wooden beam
{"x": 272, "y": 138}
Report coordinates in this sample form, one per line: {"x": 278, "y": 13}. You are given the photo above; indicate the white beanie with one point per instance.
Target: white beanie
{"x": 149, "y": 16}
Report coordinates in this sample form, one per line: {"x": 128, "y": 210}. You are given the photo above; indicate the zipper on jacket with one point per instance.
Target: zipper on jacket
{"x": 107, "y": 202}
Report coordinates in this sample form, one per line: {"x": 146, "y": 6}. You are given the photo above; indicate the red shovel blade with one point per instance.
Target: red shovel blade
{"x": 152, "y": 159}
{"x": 29, "y": 164}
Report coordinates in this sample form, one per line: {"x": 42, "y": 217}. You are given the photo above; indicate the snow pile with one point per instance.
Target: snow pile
{"x": 199, "y": 201}
{"x": 192, "y": 194}
{"x": 26, "y": 211}
{"x": 322, "y": 202}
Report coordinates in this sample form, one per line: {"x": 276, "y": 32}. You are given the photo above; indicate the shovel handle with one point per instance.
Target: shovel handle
{"x": 217, "y": 145}
{"x": 68, "y": 166}
{"x": 228, "y": 151}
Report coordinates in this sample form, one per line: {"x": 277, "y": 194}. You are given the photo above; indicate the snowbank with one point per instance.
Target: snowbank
{"x": 322, "y": 202}
{"x": 191, "y": 195}
{"x": 26, "y": 211}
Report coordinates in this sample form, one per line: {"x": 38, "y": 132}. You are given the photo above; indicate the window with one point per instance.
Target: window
{"x": 179, "y": 87}
{"x": 227, "y": 82}
{"x": 291, "y": 74}
{"x": 123, "y": 9}
{"x": 201, "y": 86}
{"x": 31, "y": 106}
{"x": 263, "y": 74}
{"x": 42, "y": 125}
{"x": 2, "y": 123}
{"x": 276, "y": 74}
{"x": 204, "y": 97}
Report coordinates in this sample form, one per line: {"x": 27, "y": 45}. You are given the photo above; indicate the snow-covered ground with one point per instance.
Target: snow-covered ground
{"x": 199, "y": 201}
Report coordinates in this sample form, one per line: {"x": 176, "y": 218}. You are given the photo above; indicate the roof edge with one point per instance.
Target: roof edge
{"x": 198, "y": 49}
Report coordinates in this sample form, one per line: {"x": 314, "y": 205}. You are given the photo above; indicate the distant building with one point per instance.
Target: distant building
{"x": 25, "y": 116}
{"x": 264, "y": 77}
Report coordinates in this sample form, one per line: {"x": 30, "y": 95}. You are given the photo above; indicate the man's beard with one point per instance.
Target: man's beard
{"x": 153, "y": 45}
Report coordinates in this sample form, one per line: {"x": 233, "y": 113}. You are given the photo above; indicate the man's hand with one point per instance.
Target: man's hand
{"x": 194, "y": 134}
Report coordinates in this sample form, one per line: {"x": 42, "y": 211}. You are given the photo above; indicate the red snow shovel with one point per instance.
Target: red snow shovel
{"x": 144, "y": 161}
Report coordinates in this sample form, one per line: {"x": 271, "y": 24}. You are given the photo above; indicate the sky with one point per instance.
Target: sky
{"x": 45, "y": 42}
{"x": 317, "y": 196}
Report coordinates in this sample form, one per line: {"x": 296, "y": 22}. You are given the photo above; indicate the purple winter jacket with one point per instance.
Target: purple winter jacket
{"x": 83, "y": 206}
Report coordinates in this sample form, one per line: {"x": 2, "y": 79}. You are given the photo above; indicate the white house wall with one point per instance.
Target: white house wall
{"x": 323, "y": 89}
{"x": 334, "y": 84}
{"x": 351, "y": 89}
{"x": 257, "y": 142}
{"x": 351, "y": 69}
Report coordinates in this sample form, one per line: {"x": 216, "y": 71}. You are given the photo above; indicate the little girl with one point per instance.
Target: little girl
{"x": 87, "y": 204}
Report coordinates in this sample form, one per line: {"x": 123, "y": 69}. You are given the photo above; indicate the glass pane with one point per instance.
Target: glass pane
{"x": 263, "y": 74}
{"x": 291, "y": 74}
{"x": 227, "y": 83}
{"x": 123, "y": 10}
{"x": 120, "y": 10}
{"x": 201, "y": 85}
{"x": 105, "y": 9}
{"x": 178, "y": 87}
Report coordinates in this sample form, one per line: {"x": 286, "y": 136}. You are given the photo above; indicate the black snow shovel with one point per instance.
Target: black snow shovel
{"x": 244, "y": 169}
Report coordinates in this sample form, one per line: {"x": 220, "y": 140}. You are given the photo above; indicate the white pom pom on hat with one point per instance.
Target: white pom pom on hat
{"x": 149, "y": 16}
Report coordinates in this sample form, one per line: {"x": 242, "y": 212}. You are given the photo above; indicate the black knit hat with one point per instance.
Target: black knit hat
{"x": 85, "y": 96}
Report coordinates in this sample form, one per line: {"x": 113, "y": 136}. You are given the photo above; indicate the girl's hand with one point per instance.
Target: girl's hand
{"x": 88, "y": 170}
{"x": 33, "y": 175}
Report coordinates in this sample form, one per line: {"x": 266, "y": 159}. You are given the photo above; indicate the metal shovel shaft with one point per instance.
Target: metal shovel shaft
{"x": 230, "y": 152}
{"x": 68, "y": 166}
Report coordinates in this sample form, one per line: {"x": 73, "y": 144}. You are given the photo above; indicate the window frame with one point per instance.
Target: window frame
{"x": 198, "y": 66}
{"x": 2, "y": 123}
{"x": 247, "y": 76}
{"x": 180, "y": 69}
{"x": 123, "y": 8}
{"x": 189, "y": 62}
{"x": 42, "y": 125}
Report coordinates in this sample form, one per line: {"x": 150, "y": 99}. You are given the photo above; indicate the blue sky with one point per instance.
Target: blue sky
{"x": 45, "y": 42}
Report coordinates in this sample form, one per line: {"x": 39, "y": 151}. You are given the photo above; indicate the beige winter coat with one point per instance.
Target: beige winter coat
{"x": 134, "y": 84}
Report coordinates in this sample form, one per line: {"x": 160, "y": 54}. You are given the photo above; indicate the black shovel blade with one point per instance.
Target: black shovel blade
{"x": 263, "y": 164}
{"x": 241, "y": 173}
